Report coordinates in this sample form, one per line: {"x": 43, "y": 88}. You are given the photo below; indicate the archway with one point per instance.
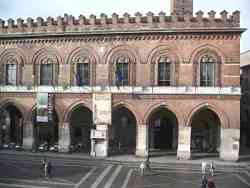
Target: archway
{"x": 11, "y": 125}
{"x": 122, "y": 133}
{"x": 80, "y": 126}
{"x": 162, "y": 131}
{"x": 205, "y": 132}
{"x": 45, "y": 132}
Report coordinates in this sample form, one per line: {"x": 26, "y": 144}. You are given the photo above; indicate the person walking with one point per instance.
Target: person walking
{"x": 204, "y": 182}
{"x": 212, "y": 168}
{"x": 46, "y": 169}
{"x": 203, "y": 167}
{"x": 142, "y": 168}
{"x": 49, "y": 169}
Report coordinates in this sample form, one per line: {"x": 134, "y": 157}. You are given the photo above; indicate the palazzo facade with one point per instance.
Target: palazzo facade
{"x": 128, "y": 85}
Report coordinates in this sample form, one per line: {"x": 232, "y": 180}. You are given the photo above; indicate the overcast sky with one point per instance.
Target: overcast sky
{"x": 54, "y": 8}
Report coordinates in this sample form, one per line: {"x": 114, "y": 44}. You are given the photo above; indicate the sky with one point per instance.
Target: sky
{"x": 44, "y": 8}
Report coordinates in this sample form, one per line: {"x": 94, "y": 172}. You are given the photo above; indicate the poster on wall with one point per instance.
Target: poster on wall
{"x": 42, "y": 107}
{"x": 102, "y": 108}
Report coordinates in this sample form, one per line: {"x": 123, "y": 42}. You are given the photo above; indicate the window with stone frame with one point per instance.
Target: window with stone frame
{"x": 46, "y": 74}
{"x": 164, "y": 71}
{"x": 82, "y": 72}
{"x": 207, "y": 71}
{"x": 11, "y": 73}
{"x": 122, "y": 71}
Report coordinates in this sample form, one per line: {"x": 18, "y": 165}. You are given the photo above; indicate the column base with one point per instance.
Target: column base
{"x": 141, "y": 153}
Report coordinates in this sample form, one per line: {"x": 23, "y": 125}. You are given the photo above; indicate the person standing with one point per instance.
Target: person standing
{"x": 45, "y": 169}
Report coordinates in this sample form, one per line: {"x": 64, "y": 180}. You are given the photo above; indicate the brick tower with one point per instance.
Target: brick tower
{"x": 181, "y": 6}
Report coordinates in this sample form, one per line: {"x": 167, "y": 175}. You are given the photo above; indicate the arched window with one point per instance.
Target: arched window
{"x": 164, "y": 71}
{"x": 47, "y": 73}
{"x": 11, "y": 72}
{"x": 82, "y": 71}
{"x": 122, "y": 71}
{"x": 207, "y": 71}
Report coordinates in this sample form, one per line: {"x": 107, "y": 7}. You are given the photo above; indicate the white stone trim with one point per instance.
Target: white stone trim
{"x": 181, "y": 90}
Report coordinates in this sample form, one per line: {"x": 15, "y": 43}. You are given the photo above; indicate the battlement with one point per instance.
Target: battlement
{"x": 69, "y": 23}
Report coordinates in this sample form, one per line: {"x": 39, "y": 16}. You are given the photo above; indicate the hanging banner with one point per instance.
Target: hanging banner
{"x": 102, "y": 108}
{"x": 42, "y": 107}
{"x": 51, "y": 103}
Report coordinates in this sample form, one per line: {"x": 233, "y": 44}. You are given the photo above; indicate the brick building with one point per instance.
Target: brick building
{"x": 141, "y": 83}
{"x": 245, "y": 98}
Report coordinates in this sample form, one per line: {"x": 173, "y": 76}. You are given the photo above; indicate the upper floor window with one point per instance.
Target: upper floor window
{"x": 11, "y": 74}
{"x": 122, "y": 71}
{"x": 82, "y": 72}
{"x": 46, "y": 74}
{"x": 164, "y": 71}
{"x": 207, "y": 71}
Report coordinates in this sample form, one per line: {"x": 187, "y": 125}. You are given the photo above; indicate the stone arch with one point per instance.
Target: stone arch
{"x": 215, "y": 53}
{"x": 46, "y": 56}
{"x": 131, "y": 108}
{"x": 175, "y": 59}
{"x": 224, "y": 120}
{"x": 155, "y": 107}
{"x": 5, "y": 103}
{"x": 122, "y": 51}
{"x": 12, "y": 56}
{"x": 70, "y": 109}
{"x": 86, "y": 53}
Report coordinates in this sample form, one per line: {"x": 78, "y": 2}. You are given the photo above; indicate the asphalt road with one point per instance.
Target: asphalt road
{"x": 24, "y": 171}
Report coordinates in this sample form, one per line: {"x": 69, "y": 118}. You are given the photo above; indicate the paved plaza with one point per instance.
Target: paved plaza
{"x": 25, "y": 171}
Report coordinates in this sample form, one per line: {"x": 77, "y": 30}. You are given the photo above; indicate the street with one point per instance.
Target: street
{"x": 25, "y": 171}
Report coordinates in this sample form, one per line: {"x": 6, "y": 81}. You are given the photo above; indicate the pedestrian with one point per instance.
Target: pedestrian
{"x": 49, "y": 169}
{"x": 148, "y": 164}
{"x": 212, "y": 168}
{"x": 204, "y": 181}
{"x": 211, "y": 184}
{"x": 46, "y": 169}
{"x": 142, "y": 168}
{"x": 203, "y": 167}
{"x": 43, "y": 163}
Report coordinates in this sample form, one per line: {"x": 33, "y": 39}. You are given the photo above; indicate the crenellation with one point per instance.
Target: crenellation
{"x": 20, "y": 22}
{"x": 92, "y": 19}
{"x": 138, "y": 17}
{"x": 11, "y": 23}
{"x": 69, "y": 22}
{"x": 150, "y": 17}
{"x": 40, "y": 21}
{"x": 236, "y": 16}
{"x": 82, "y": 20}
{"x": 115, "y": 18}
{"x": 162, "y": 16}
{"x": 212, "y": 16}
{"x": 199, "y": 16}
{"x": 126, "y": 18}
{"x": 104, "y": 19}
{"x": 224, "y": 16}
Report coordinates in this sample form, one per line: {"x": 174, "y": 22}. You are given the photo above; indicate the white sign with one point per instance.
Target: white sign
{"x": 102, "y": 108}
{"x": 98, "y": 134}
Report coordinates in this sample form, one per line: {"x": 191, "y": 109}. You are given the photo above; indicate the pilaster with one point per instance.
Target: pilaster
{"x": 230, "y": 145}
{"x": 142, "y": 140}
{"x": 64, "y": 136}
{"x": 28, "y": 135}
{"x": 184, "y": 140}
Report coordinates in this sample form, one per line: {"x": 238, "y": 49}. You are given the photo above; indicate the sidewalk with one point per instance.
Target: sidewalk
{"x": 157, "y": 160}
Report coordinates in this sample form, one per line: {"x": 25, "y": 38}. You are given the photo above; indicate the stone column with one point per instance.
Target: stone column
{"x": 142, "y": 140}
{"x": 64, "y": 136}
{"x": 184, "y": 143}
{"x": 28, "y": 135}
{"x": 229, "y": 148}
{"x": 1, "y": 134}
